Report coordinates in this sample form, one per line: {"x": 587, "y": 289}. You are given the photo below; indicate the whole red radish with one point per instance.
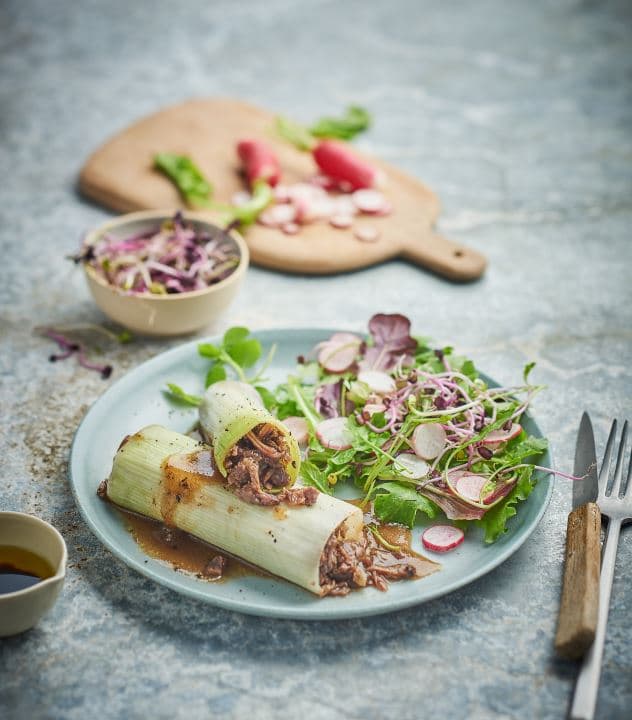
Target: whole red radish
{"x": 259, "y": 161}
{"x": 338, "y": 161}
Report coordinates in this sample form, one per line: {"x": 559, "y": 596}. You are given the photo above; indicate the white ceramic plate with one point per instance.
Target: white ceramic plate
{"x": 136, "y": 400}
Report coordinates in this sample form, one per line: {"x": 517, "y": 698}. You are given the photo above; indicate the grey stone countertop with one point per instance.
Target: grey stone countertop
{"x": 518, "y": 115}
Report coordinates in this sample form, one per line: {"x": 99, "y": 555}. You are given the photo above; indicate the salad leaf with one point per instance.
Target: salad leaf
{"x": 391, "y": 339}
{"x": 236, "y": 353}
{"x": 177, "y": 393}
{"x": 397, "y": 503}
{"x": 215, "y": 373}
{"x": 523, "y": 447}
{"x": 494, "y": 522}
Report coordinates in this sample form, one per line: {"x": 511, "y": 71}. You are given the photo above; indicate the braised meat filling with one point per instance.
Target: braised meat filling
{"x": 346, "y": 565}
{"x": 256, "y": 469}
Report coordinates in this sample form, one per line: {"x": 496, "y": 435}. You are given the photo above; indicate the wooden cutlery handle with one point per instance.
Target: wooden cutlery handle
{"x": 580, "y": 588}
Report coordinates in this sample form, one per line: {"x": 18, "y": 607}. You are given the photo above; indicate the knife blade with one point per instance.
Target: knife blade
{"x": 580, "y": 585}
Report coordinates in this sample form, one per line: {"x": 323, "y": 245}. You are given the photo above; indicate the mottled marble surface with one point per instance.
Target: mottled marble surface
{"x": 518, "y": 114}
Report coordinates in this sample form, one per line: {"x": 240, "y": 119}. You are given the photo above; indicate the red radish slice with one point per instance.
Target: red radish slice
{"x": 386, "y": 209}
{"x": 499, "y": 493}
{"x": 241, "y": 198}
{"x": 371, "y": 409}
{"x": 343, "y": 205}
{"x": 324, "y": 182}
{"x": 342, "y": 222}
{"x": 298, "y": 427}
{"x": 410, "y": 466}
{"x": 470, "y": 486}
{"x": 367, "y": 233}
{"x": 290, "y": 228}
{"x": 369, "y": 201}
{"x": 278, "y": 215}
{"x": 441, "y": 538}
{"x": 308, "y": 210}
{"x": 429, "y": 441}
{"x": 378, "y": 381}
{"x": 498, "y": 436}
{"x": 339, "y": 352}
{"x": 281, "y": 194}
{"x": 334, "y": 433}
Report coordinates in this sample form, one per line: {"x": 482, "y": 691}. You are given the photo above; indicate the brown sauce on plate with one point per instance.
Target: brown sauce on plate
{"x": 21, "y": 569}
{"x": 184, "y": 552}
{"x": 400, "y": 537}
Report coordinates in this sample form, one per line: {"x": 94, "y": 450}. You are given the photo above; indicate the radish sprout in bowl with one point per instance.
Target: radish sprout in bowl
{"x": 173, "y": 257}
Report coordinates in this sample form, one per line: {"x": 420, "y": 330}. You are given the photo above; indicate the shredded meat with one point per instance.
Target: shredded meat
{"x": 299, "y": 496}
{"x": 346, "y": 565}
{"x": 256, "y": 465}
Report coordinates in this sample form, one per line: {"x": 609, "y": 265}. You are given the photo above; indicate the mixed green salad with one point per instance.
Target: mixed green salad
{"x": 414, "y": 428}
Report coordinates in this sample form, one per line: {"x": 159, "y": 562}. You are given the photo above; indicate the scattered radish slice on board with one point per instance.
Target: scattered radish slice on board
{"x": 470, "y": 486}
{"x": 281, "y": 194}
{"x": 386, "y": 209}
{"x": 369, "y": 201}
{"x": 241, "y": 198}
{"x": 496, "y": 437}
{"x": 411, "y": 466}
{"x": 367, "y": 233}
{"x": 441, "y": 538}
{"x": 290, "y": 228}
{"x": 429, "y": 441}
{"x": 378, "y": 381}
{"x": 339, "y": 352}
{"x": 334, "y": 433}
{"x": 278, "y": 215}
{"x": 341, "y": 222}
{"x": 343, "y": 205}
{"x": 298, "y": 427}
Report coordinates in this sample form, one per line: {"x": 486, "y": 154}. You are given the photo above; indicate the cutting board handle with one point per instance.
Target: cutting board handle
{"x": 445, "y": 257}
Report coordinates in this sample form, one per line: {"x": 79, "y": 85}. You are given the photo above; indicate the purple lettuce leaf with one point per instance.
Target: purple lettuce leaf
{"x": 391, "y": 340}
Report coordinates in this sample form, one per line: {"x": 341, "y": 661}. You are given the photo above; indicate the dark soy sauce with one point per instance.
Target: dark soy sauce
{"x": 21, "y": 569}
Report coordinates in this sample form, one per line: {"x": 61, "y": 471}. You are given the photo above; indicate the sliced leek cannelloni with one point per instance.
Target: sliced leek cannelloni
{"x": 171, "y": 478}
{"x": 230, "y": 411}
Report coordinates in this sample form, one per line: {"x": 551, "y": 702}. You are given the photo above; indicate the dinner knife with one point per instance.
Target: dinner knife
{"x": 580, "y": 586}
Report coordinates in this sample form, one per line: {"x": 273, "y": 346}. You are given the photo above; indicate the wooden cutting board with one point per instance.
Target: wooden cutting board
{"x": 120, "y": 175}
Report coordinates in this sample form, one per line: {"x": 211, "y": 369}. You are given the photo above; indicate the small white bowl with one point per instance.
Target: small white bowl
{"x": 20, "y": 610}
{"x": 164, "y": 315}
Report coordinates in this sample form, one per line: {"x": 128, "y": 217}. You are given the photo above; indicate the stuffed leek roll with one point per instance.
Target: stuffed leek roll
{"x": 253, "y": 451}
{"x": 172, "y": 478}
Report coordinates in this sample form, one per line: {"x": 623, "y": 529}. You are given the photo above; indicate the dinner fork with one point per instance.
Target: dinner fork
{"x": 615, "y": 502}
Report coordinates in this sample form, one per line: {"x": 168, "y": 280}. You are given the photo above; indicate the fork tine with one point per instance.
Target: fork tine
{"x": 618, "y": 470}
{"x": 605, "y": 464}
